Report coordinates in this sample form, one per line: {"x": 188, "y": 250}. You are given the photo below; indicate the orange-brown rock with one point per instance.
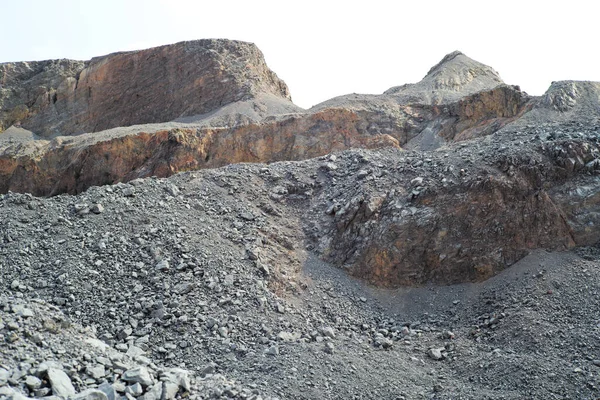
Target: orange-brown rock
{"x": 65, "y": 97}
{"x": 71, "y": 165}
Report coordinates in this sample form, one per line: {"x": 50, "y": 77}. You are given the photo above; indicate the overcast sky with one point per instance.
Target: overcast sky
{"x": 326, "y": 48}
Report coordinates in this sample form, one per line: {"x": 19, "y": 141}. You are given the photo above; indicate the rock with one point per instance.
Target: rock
{"x": 328, "y": 332}
{"x": 97, "y": 208}
{"x": 436, "y": 353}
{"x": 4, "y": 375}
{"x": 162, "y": 265}
{"x": 33, "y": 382}
{"x": 172, "y": 190}
{"x": 288, "y": 336}
{"x": 209, "y": 369}
{"x": 169, "y": 390}
{"x": 97, "y": 371}
{"x": 135, "y": 389}
{"x": 139, "y": 375}
{"x": 181, "y": 377}
{"x": 105, "y": 92}
{"x": 153, "y": 393}
{"x": 223, "y": 331}
{"x": 272, "y": 350}
{"x": 22, "y": 311}
{"x": 60, "y": 383}
{"x": 329, "y": 348}
{"x": 90, "y": 394}
{"x": 108, "y": 390}
{"x": 11, "y": 394}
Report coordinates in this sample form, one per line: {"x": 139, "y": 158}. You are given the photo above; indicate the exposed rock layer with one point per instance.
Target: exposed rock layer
{"x": 160, "y": 84}
{"x": 461, "y": 213}
{"x": 71, "y": 165}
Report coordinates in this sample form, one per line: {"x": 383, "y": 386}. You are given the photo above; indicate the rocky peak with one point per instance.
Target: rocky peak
{"x": 64, "y": 97}
{"x": 455, "y": 76}
{"x": 566, "y": 95}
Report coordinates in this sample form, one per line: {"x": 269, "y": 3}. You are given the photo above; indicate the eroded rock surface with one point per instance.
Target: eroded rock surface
{"x": 481, "y": 173}
{"x": 66, "y": 97}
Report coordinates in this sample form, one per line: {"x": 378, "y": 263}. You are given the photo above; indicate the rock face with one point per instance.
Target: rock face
{"x": 252, "y": 119}
{"x": 482, "y": 173}
{"x": 65, "y": 97}
{"x": 458, "y": 99}
{"x": 71, "y": 165}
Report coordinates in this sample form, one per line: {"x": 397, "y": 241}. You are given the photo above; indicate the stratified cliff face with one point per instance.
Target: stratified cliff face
{"x": 71, "y": 165}
{"x": 458, "y": 99}
{"x": 480, "y": 172}
{"x": 64, "y": 97}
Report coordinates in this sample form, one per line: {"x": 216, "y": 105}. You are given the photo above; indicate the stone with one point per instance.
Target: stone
{"x": 33, "y": 382}
{"x": 153, "y": 393}
{"x": 436, "y": 353}
{"x": 90, "y": 394}
{"x": 60, "y": 383}
{"x": 208, "y": 369}
{"x": 139, "y": 375}
{"x": 4, "y": 376}
{"x": 109, "y": 390}
{"x": 172, "y": 190}
{"x": 97, "y": 371}
{"x": 22, "y": 311}
{"x": 181, "y": 376}
{"x": 169, "y": 390}
{"x": 328, "y": 332}
{"x": 97, "y": 208}
{"x": 272, "y": 350}
{"x": 135, "y": 389}
{"x": 162, "y": 265}
{"x": 223, "y": 331}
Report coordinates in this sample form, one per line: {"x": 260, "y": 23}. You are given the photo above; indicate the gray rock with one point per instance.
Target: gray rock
{"x": 172, "y": 190}
{"x": 9, "y": 393}
{"x": 154, "y": 393}
{"x": 60, "y": 383}
{"x": 4, "y": 375}
{"x": 108, "y": 390}
{"x": 135, "y": 389}
{"x": 128, "y": 191}
{"x": 209, "y": 369}
{"x": 97, "y": 208}
{"x": 181, "y": 376}
{"x": 328, "y": 332}
{"x": 91, "y": 394}
{"x": 139, "y": 375}
{"x": 162, "y": 265}
{"x": 169, "y": 390}
{"x": 272, "y": 351}
{"x": 22, "y": 311}
{"x": 33, "y": 382}
{"x": 435, "y": 354}
{"x": 96, "y": 371}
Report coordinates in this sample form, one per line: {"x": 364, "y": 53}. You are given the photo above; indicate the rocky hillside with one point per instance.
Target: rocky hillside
{"x": 66, "y": 97}
{"x": 436, "y": 241}
{"x": 470, "y": 101}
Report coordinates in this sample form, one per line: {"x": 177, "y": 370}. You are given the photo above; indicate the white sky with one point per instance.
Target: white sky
{"x": 326, "y": 48}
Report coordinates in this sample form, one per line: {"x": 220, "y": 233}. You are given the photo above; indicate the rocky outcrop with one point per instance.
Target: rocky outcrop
{"x": 509, "y": 173}
{"x": 220, "y": 86}
{"x": 65, "y": 97}
{"x": 464, "y": 214}
{"x": 71, "y": 165}
{"x": 458, "y": 99}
